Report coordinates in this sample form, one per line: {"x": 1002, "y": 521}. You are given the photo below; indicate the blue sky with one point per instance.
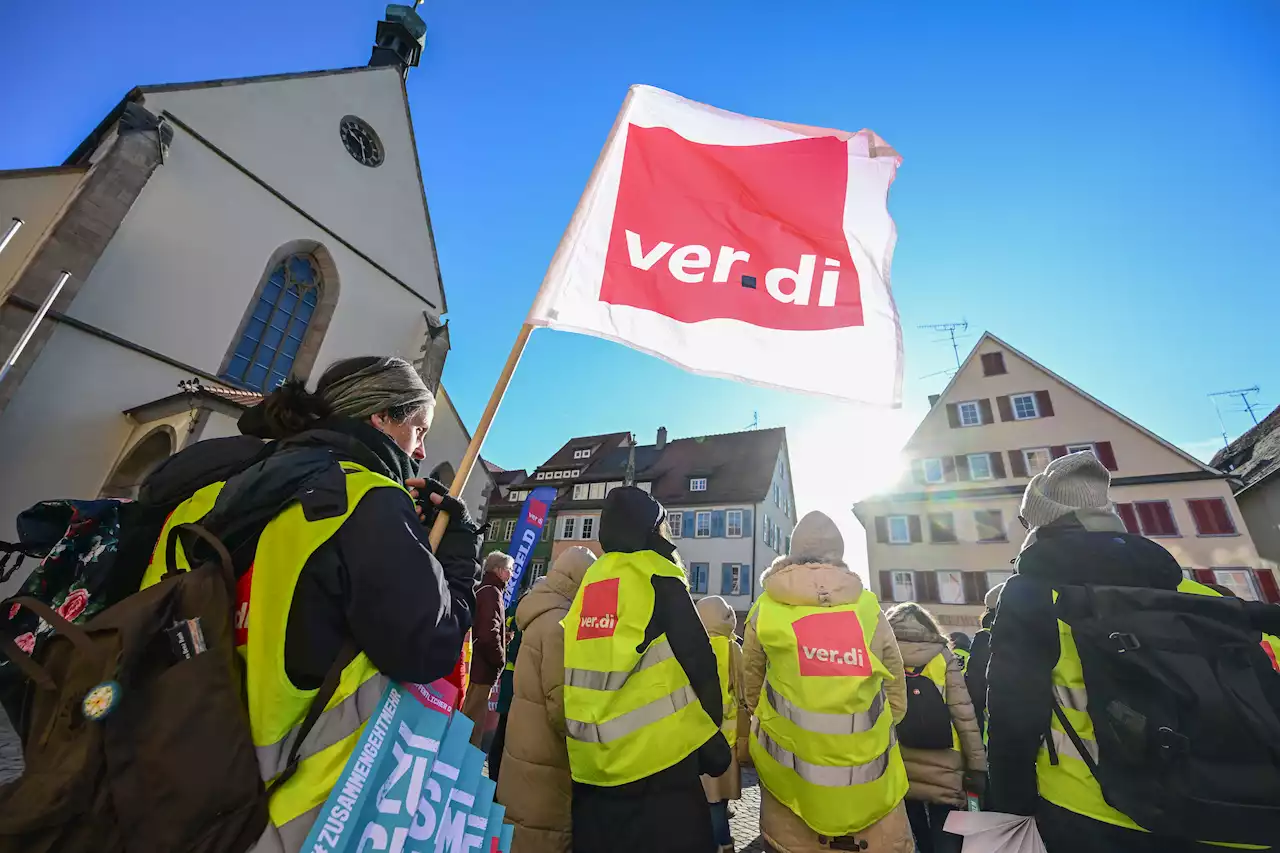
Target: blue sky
{"x": 1097, "y": 183}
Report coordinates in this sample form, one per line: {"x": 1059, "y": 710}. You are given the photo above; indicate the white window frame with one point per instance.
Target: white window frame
{"x": 513, "y": 496}
{"x": 671, "y": 516}
{"x": 508, "y": 530}
{"x": 595, "y": 491}
{"x": 574, "y": 474}
{"x": 542, "y": 475}
{"x": 580, "y": 491}
{"x": 697, "y": 525}
{"x": 969, "y": 405}
{"x": 1227, "y": 577}
{"x": 777, "y": 495}
{"x": 910, "y": 577}
{"x": 1078, "y": 448}
{"x": 996, "y": 578}
{"x": 1035, "y": 406}
{"x": 735, "y": 580}
{"x": 957, "y": 596}
{"x": 977, "y": 528}
{"x": 611, "y": 485}
{"x": 537, "y": 569}
{"x": 906, "y": 527}
{"x": 587, "y": 530}
{"x": 985, "y": 459}
{"x": 1026, "y": 460}
{"x": 646, "y": 487}
{"x": 567, "y": 526}
{"x": 729, "y": 515}
{"x": 582, "y": 454}
{"x": 697, "y": 484}
{"x": 942, "y": 472}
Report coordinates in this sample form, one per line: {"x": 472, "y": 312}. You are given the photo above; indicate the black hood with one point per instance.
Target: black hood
{"x": 1075, "y": 556}
{"x": 631, "y": 521}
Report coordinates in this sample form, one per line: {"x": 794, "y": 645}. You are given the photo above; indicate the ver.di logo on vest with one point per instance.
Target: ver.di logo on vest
{"x": 599, "y": 616}
{"x": 832, "y": 644}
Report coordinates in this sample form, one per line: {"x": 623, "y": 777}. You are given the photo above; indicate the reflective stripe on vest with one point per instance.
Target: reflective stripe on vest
{"x": 729, "y": 724}
{"x": 821, "y": 740}
{"x": 962, "y": 655}
{"x": 276, "y": 706}
{"x": 628, "y": 714}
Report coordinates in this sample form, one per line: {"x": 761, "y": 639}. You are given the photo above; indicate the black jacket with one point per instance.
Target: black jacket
{"x": 975, "y": 673}
{"x": 376, "y": 581}
{"x": 1024, "y": 644}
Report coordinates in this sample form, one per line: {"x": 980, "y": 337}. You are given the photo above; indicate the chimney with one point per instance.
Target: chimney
{"x": 662, "y": 437}
{"x": 933, "y": 399}
{"x": 400, "y": 38}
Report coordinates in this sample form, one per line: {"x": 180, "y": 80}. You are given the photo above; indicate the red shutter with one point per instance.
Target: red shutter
{"x": 1017, "y": 463}
{"x": 1005, "y": 407}
{"x": 1267, "y": 584}
{"x": 975, "y": 587}
{"x": 1044, "y": 404}
{"x": 953, "y": 415}
{"x": 882, "y": 530}
{"x": 1058, "y": 451}
{"x": 913, "y": 522}
{"x": 948, "y": 469}
{"x": 984, "y": 410}
{"x": 1212, "y": 517}
{"x": 962, "y": 468}
{"x": 1157, "y": 518}
{"x": 1200, "y": 514}
{"x": 1106, "y": 455}
{"x": 886, "y": 586}
{"x": 1129, "y": 517}
{"x": 997, "y": 465}
{"x": 993, "y": 364}
{"x": 926, "y": 586}
{"x": 1222, "y": 516}
{"x": 1204, "y": 575}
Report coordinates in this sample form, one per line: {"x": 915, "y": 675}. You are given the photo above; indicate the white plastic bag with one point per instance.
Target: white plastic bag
{"x": 993, "y": 832}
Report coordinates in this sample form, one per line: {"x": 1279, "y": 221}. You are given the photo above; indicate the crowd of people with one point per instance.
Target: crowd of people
{"x": 1118, "y": 705}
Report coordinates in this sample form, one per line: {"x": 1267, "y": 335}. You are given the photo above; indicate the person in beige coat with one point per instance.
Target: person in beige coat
{"x": 814, "y": 574}
{"x": 939, "y": 778}
{"x": 535, "y": 785}
{"x": 721, "y": 621}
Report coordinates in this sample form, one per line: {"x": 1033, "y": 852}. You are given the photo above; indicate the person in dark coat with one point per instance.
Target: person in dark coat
{"x": 488, "y": 641}
{"x": 667, "y": 811}
{"x": 975, "y": 672}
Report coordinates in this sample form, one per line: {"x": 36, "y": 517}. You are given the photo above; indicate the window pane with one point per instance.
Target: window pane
{"x": 904, "y": 586}
{"x": 287, "y": 303}
{"x": 265, "y": 333}
{"x": 942, "y": 527}
{"x": 703, "y": 524}
{"x": 580, "y": 492}
{"x": 980, "y": 466}
{"x": 994, "y": 579}
{"x": 235, "y": 370}
{"x": 733, "y": 523}
{"x": 933, "y": 471}
{"x": 990, "y": 524}
{"x": 588, "y": 528}
{"x": 1037, "y": 460}
{"x": 595, "y": 491}
{"x": 257, "y": 377}
{"x": 274, "y": 380}
{"x": 1238, "y": 581}
{"x": 950, "y": 588}
{"x": 899, "y": 529}
{"x": 969, "y": 415}
{"x": 1024, "y": 406}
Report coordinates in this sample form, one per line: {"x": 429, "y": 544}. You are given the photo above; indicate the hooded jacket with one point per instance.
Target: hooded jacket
{"x": 720, "y": 620}
{"x": 535, "y": 785}
{"x": 792, "y": 581}
{"x": 937, "y": 775}
{"x": 489, "y": 632}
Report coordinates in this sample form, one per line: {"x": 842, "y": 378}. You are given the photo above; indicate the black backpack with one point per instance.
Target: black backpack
{"x": 927, "y": 724}
{"x": 1185, "y": 708}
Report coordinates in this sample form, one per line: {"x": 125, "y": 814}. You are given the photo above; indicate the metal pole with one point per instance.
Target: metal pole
{"x": 8, "y": 235}
{"x": 34, "y": 324}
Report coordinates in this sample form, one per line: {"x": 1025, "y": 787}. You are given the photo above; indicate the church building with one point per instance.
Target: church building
{"x": 217, "y": 238}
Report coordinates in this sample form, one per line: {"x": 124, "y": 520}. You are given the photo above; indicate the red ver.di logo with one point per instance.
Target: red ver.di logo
{"x": 599, "y": 615}
{"x": 832, "y": 644}
{"x": 537, "y": 513}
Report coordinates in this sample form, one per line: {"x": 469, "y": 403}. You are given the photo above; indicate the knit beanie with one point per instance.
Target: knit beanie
{"x": 1073, "y": 484}
{"x": 817, "y": 539}
{"x": 992, "y": 598}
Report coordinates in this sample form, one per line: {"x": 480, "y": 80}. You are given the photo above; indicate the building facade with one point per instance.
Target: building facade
{"x": 948, "y": 532}
{"x": 211, "y": 257}
{"x": 1252, "y": 463}
{"x": 729, "y": 499}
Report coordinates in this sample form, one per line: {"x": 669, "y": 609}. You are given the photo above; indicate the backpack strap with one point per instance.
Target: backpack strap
{"x": 24, "y": 661}
{"x": 1076, "y": 740}
{"x": 327, "y": 688}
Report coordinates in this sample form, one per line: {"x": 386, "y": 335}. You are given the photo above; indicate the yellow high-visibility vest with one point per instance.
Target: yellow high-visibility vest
{"x": 936, "y": 671}
{"x": 630, "y": 712}
{"x": 962, "y": 655}
{"x": 276, "y": 706}
{"x": 1270, "y": 644}
{"x": 823, "y": 739}
{"x": 729, "y": 725}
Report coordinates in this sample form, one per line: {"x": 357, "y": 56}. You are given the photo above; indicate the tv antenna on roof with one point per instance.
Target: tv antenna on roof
{"x": 755, "y": 420}
{"x": 1249, "y": 406}
{"x": 950, "y": 329}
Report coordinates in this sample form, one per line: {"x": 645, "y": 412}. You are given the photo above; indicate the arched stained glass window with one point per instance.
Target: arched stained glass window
{"x": 275, "y": 331}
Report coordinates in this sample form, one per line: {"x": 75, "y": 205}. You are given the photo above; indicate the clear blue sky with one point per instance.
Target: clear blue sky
{"x": 1097, "y": 183}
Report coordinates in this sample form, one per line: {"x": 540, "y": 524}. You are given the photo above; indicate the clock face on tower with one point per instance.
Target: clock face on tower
{"x": 361, "y": 141}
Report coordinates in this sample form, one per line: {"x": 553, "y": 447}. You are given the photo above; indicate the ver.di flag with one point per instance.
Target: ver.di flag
{"x": 736, "y": 247}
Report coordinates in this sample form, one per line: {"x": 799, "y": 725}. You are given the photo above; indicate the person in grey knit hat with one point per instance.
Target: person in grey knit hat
{"x": 1072, "y": 486}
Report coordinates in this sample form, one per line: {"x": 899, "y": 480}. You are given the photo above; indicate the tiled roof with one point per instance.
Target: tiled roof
{"x": 563, "y": 458}
{"x": 1254, "y": 455}
{"x": 236, "y": 396}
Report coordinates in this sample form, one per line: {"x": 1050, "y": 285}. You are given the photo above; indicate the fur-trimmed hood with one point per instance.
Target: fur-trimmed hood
{"x": 795, "y": 581}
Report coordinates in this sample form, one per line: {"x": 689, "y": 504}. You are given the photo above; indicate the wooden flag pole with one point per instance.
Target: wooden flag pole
{"x": 472, "y": 455}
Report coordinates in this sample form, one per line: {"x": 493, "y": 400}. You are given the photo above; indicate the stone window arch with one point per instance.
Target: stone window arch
{"x": 286, "y": 320}
{"x": 143, "y": 458}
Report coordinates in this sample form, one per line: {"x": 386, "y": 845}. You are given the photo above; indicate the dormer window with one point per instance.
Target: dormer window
{"x": 585, "y": 453}
{"x": 698, "y": 484}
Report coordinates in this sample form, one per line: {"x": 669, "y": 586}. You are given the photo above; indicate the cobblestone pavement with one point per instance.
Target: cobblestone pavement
{"x": 745, "y": 823}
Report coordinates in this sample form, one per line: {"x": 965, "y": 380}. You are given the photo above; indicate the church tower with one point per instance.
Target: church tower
{"x": 400, "y": 38}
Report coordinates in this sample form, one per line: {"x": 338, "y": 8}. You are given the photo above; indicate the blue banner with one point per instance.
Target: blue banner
{"x": 533, "y": 516}
{"x": 413, "y": 784}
